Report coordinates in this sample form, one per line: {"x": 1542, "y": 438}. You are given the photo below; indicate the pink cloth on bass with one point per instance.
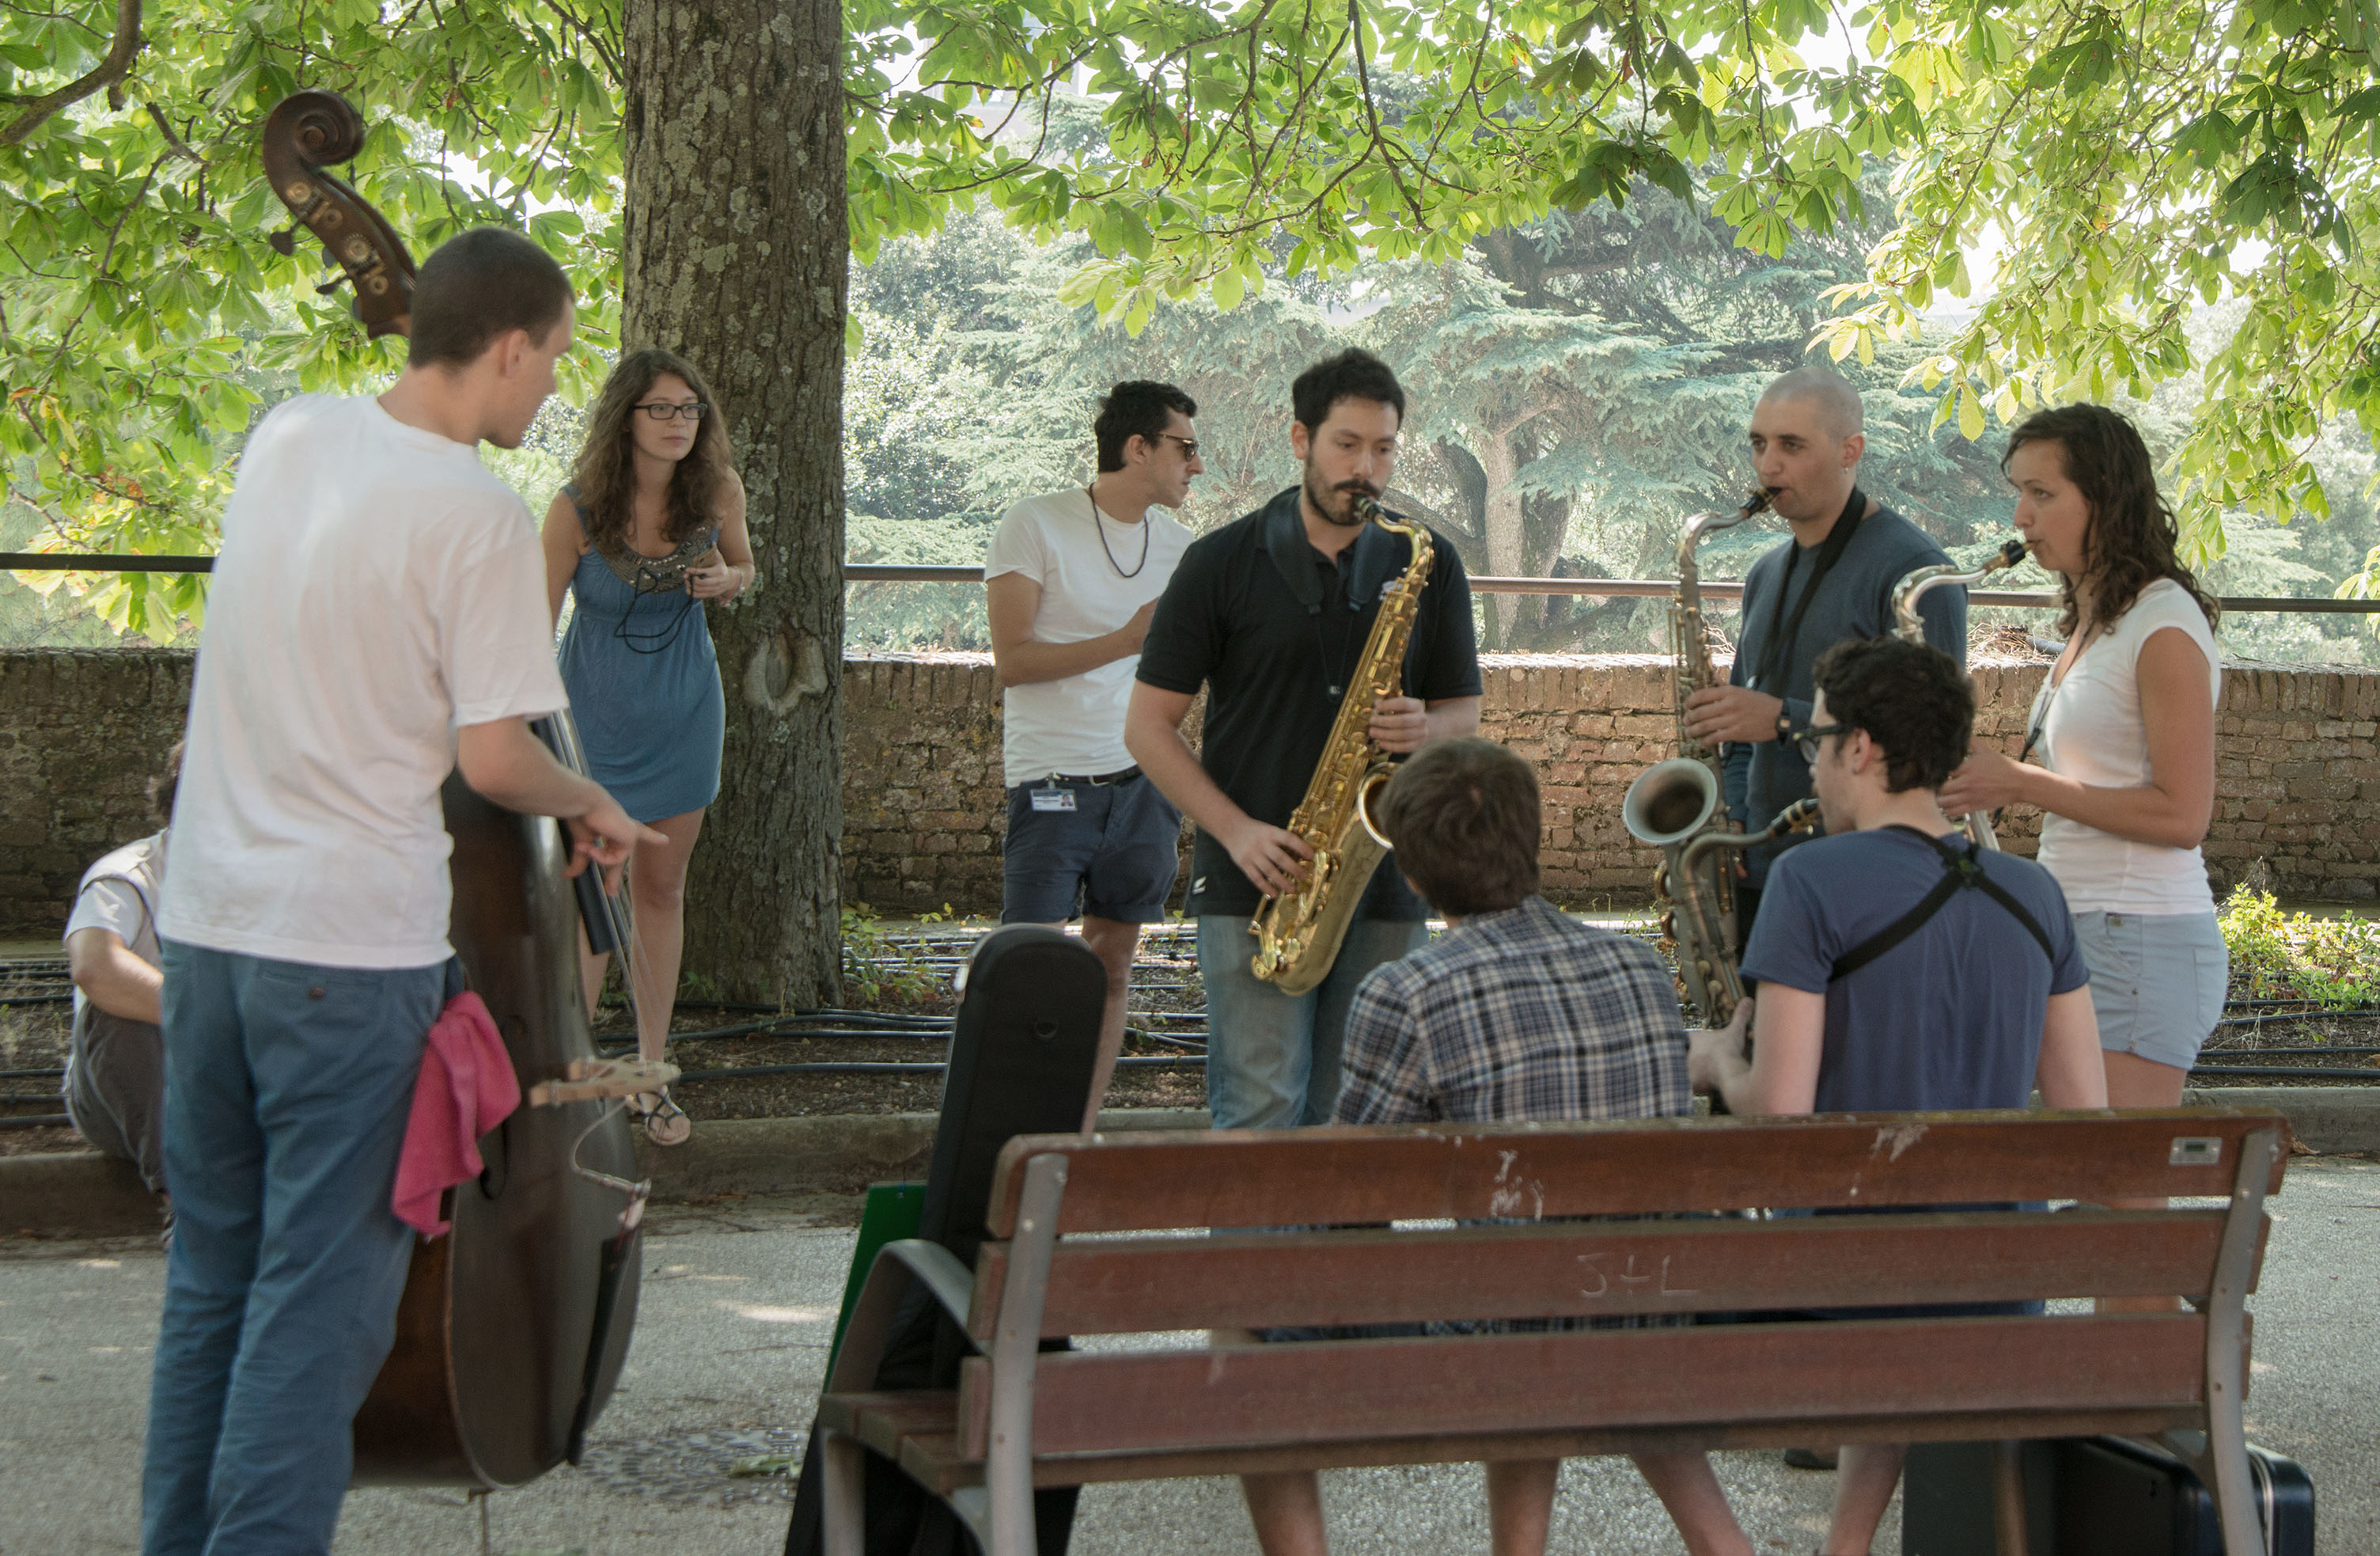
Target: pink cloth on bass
{"x": 466, "y": 1087}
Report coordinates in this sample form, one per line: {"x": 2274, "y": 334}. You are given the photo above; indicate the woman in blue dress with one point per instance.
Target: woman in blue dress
{"x": 651, "y": 527}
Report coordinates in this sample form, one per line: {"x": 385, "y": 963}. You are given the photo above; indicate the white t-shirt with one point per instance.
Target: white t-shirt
{"x": 119, "y": 894}
{"x": 1076, "y": 725}
{"x": 2094, "y": 733}
{"x": 376, "y": 589}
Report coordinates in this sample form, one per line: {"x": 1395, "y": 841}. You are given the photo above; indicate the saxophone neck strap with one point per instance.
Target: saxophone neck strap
{"x": 1779, "y": 648}
{"x": 1381, "y": 557}
{"x": 1962, "y": 869}
{"x": 1286, "y": 542}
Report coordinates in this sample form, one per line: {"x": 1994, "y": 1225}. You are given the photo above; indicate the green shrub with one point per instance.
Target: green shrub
{"x": 2277, "y": 955}
{"x": 878, "y": 970}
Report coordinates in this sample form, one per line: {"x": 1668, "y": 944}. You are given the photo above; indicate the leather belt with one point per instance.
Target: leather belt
{"x": 1103, "y": 779}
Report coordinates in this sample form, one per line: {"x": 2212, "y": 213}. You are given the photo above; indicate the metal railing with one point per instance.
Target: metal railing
{"x": 871, "y": 572}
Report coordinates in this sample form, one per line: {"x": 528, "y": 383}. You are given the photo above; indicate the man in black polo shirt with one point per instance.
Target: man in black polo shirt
{"x": 1270, "y": 614}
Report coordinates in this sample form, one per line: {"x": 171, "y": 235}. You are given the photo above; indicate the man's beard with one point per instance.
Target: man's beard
{"x": 1320, "y": 499}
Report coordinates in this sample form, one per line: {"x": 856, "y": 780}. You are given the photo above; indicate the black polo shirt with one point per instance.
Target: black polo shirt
{"x": 1276, "y": 669}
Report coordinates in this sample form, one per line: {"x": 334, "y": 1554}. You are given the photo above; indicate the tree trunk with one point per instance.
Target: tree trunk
{"x": 1506, "y": 548}
{"x": 735, "y": 256}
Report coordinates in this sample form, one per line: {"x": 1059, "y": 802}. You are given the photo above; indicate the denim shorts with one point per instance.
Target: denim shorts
{"x": 2157, "y": 981}
{"x": 1113, "y": 856}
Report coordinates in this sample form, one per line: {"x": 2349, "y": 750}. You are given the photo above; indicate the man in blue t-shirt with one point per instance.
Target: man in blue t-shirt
{"x": 1901, "y": 969}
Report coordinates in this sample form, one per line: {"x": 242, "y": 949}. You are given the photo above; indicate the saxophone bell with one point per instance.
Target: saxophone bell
{"x": 1670, "y": 801}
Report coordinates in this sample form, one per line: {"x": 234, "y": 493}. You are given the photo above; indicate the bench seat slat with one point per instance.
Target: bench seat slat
{"x": 883, "y": 1419}
{"x": 1139, "y": 1284}
{"x": 936, "y": 1461}
{"x": 1333, "y": 1389}
{"x": 1343, "y": 1174}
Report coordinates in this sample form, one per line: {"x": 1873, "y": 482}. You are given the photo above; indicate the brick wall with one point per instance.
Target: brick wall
{"x": 1593, "y": 722}
{"x": 2298, "y": 783}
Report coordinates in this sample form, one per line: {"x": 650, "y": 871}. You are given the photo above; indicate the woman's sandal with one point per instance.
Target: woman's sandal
{"x": 665, "y": 1123}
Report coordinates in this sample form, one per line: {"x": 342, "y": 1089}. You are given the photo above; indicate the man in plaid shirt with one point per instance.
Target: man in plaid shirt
{"x": 1518, "y": 1012}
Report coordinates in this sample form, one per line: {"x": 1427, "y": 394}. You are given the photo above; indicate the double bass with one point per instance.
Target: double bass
{"x": 514, "y": 1325}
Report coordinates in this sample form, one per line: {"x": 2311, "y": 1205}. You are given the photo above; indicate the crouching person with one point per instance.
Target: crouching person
{"x": 114, "y": 1087}
{"x": 1516, "y": 1013}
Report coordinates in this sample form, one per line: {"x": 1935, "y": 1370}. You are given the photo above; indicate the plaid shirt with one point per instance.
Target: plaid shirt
{"x": 1516, "y": 1016}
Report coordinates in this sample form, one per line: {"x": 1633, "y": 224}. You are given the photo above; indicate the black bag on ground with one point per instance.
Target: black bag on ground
{"x": 1020, "y": 1064}
{"x": 2095, "y": 1496}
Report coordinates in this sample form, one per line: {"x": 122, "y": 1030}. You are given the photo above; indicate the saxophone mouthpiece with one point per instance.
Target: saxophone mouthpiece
{"x": 2015, "y": 552}
{"x": 1758, "y": 502}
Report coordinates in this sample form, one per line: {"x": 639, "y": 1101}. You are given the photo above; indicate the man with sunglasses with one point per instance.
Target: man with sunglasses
{"x": 1072, "y": 579}
{"x": 1832, "y": 579}
{"x": 1900, "y": 967}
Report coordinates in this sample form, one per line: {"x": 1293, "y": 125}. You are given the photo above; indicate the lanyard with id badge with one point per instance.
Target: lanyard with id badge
{"x": 1052, "y": 797}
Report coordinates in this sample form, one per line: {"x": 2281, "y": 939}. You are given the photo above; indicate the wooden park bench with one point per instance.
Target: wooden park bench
{"x": 1088, "y": 1240}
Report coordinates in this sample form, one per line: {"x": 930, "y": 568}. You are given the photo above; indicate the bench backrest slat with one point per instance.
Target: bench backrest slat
{"x": 1336, "y": 1176}
{"x": 1332, "y": 1391}
{"x": 1113, "y": 1285}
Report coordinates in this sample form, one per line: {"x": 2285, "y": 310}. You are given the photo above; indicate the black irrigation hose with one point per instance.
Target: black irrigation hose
{"x": 890, "y": 1068}
{"x": 610, "y": 1046}
{"x": 2293, "y": 1052}
{"x": 800, "y": 1013}
{"x": 36, "y": 999}
{"x": 34, "y": 1121}
{"x": 32, "y": 1074}
{"x": 2287, "y": 1072}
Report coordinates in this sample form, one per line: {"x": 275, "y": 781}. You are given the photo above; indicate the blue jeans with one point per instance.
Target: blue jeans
{"x": 287, "y": 1089}
{"x": 1272, "y": 1059}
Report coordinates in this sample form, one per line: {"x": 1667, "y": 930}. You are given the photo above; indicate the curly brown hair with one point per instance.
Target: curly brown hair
{"x": 606, "y": 472}
{"x": 2129, "y": 541}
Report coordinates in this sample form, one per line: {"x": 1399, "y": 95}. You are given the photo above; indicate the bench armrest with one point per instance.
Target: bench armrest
{"x": 911, "y": 1261}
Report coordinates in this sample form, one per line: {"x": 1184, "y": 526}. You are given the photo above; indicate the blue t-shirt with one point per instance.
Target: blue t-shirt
{"x": 1949, "y": 1018}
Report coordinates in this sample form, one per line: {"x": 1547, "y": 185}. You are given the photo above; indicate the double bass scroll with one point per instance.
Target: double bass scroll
{"x": 305, "y": 130}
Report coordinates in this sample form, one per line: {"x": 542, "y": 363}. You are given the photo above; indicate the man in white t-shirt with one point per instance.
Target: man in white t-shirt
{"x": 1074, "y": 579}
{"x": 377, "y": 621}
{"x": 114, "y": 1085}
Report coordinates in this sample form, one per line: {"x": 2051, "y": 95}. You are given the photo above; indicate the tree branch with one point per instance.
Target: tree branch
{"x": 171, "y": 139}
{"x": 109, "y": 71}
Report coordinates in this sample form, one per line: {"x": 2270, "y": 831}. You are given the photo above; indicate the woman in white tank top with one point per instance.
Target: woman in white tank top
{"x": 2125, "y": 730}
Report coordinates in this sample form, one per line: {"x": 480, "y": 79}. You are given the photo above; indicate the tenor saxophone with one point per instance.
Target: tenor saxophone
{"x": 1678, "y": 805}
{"x": 1911, "y": 590}
{"x": 1299, "y": 932}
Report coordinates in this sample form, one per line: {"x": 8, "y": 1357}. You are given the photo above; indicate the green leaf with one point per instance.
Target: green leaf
{"x": 1970, "y": 414}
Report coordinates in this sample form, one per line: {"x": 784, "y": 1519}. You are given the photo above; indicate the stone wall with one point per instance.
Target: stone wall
{"x": 82, "y": 733}
{"x": 923, "y": 806}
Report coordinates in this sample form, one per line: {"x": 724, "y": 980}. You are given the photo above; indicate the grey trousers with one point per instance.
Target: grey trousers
{"x": 116, "y": 1089}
